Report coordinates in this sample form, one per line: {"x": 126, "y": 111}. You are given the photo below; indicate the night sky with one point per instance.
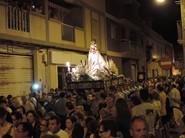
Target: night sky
{"x": 163, "y": 17}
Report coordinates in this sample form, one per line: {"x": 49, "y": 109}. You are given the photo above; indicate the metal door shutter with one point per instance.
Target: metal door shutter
{"x": 16, "y": 74}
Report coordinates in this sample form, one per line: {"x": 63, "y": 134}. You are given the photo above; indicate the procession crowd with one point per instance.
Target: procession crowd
{"x": 155, "y": 109}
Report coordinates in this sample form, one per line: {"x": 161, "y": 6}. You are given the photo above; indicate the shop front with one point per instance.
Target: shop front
{"x": 16, "y": 71}
{"x": 59, "y": 69}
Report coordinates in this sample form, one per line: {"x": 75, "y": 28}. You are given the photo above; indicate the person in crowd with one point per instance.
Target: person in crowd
{"x": 49, "y": 136}
{"x": 140, "y": 109}
{"x": 80, "y": 117}
{"x": 4, "y": 104}
{"x": 32, "y": 119}
{"x": 102, "y": 103}
{"x": 70, "y": 109}
{"x": 135, "y": 100}
{"x": 21, "y": 110}
{"x": 138, "y": 127}
{"x": 107, "y": 129}
{"x": 91, "y": 126}
{"x": 174, "y": 96}
{"x": 55, "y": 127}
{"x": 43, "y": 127}
{"x": 78, "y": 131}
{"x": 60, "y": 108}
{"x": 92, "y": 99}
{"x": 24, "y": 130}
{"x": 155, "y": 100}
{"x": 163, "y": 100}
{"x": 79, "y": 109}
{"x": 5, "y": 127}
{"x": 123, "y": 117}
{"x": 28, "y": 104}
{"x": 175, "y": 102}
{"x": 10, "y": 102}
{"x": 16, "y": 119}
{"x": 147, "y": 110}
{"x": 69, "y": 125}
{"x": 110, "y": 101}
{"x": 49, "y": 103}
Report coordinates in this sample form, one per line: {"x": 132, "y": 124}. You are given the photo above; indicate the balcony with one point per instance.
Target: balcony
{"x": 18, "y": 19}
{"x": 25, "y": 26}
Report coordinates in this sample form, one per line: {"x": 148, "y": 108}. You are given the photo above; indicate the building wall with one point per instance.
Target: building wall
{"x": 48, "y": 33}
{"x": 53, "y": 51}
{"x": 96, "y": 4}
{"x": 118, "y": 62}
{"x": 182, "y": 7}
{"x": 41, "y": 68}
{"x": 38, "y": 27}
{"x": 55, "y": 31}
{"x": 3, "y": 19}
{"x": 95, "y": 29}
{"x": 87, "y": 20}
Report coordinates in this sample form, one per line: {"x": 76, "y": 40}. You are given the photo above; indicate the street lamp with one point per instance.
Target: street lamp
{"x": 160, "y": 2}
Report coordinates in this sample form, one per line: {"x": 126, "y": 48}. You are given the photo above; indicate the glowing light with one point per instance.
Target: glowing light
{"x": 155, "y": 57}
{"x": 33, "y": 6}
{"x": 68, "y": 66}
{"x": 35, "y": 86}
{"x": 160, "y": 1}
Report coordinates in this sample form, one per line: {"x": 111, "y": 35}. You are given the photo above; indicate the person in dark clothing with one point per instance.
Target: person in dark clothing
{"x": 32, "y": 119}
{"x": 60, "y": 108}
{"x": 78, "y": 131}
{"x": 24, "y": 130}
{"x": 123, "y": 117}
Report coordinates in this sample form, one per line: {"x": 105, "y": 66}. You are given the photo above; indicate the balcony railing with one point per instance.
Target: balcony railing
{"x": 18, "y": 19}
{"x": 68, "y": 33}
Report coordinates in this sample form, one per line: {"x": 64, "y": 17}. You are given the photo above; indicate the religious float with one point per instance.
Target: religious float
{"x": 97, "y": 73}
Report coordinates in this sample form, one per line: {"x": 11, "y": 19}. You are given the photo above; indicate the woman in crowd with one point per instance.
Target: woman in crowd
{"x": 123, "y": 117}
{"x": 69, "y": 125}
{"x": 107, "y": 129}
{"x": 32, "y": 119}
{"x": 91, "y": 127}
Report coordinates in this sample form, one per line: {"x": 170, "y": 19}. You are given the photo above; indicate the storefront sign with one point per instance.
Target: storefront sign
{"x": 166, "y": 63}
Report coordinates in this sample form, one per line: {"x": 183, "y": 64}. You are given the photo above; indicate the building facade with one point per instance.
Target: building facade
{"x": 132, "y": 42}
{"x": 37, "y": 39}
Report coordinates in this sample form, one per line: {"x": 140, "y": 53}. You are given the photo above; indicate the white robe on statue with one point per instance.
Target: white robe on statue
{"x": 96, "y": 62}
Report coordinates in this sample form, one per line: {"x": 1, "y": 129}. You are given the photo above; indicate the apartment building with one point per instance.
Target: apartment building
{"x": 37, "y": 38}
{"x": 132, "y": 43}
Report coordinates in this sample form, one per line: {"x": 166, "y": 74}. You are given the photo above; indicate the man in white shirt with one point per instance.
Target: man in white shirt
{"x": 174, "y": 96}
{"x": 141, "y": 109}
{"x": 147, "y": 110}
{"x": 54, "y": 127}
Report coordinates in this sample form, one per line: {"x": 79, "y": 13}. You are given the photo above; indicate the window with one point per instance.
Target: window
{"x": 67, "y": 33}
